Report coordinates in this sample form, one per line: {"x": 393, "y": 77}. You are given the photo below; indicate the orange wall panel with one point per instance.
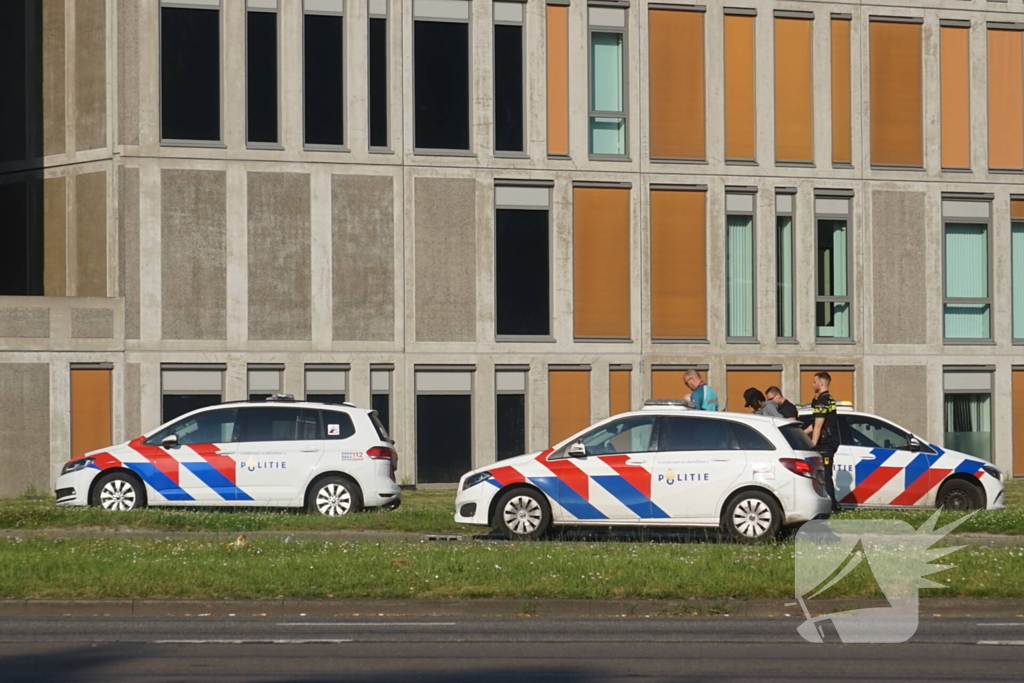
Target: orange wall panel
{"x": 956, "y": 97}
{"x": 739, "y": 87}
{"x": 678, "y": 265}
{"x": 601, "y": 277}
{"x": 896, "y": 104}
{"x": 1005, "y": 100}
{"x": 841, "y": 127}
{"x": 568, "y": 403}
{"x": 668, "y": 383}
{"x": 90, "y": 410}
{"x": 794, "y": 109}
{"x": 738, "y": 380}
{"x": 558, "y": 79}
{"x": 841, "y": 387}
{"x": 677, "y": 84}
{"x": 620, "y": 392}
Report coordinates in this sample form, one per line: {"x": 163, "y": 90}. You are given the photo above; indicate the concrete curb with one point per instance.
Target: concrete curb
{"x": 287, "y": 608}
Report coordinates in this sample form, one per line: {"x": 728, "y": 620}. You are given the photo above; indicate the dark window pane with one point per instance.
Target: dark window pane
{"x": 21, "y": 260}
{"x": 333, "y": 399}
{"x": 511, "y": 425}
{"x": 444, "y": 449}
{"x": 696, "y": 434}
{"x": 213, "y": 426}
{"x": 280, "y": 424}
{"x": 442, "y": 85}
{"x": 382, "y": 404}
{"x": 797, "y": 438}
{"x": 324, "y": 79}
{"x": 628, "y": 435}
{"x": 261, "y": 67}
{"x": 189, "y": 74}
{"x": 750, "y": 440}
{"x": 13, "y": 82}
{"x": 259, "y": 398}
{"x": 871, "y": 433}
{"x": 521, "y": 265}
{"x": 179, "y": 404}
{"x": 508, "y": 88}
{"x": 337, "y": 425}
{"x": 378, "y": 86}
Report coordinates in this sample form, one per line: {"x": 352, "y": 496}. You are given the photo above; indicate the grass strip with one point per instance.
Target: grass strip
{"x": 274, "y": 568}
{"x": 421, "y": 512}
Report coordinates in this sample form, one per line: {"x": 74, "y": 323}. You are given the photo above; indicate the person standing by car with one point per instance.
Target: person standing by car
{"x": 824, "y": 430}
{"x": 786, "y": 408}
{"x": 702, "y": 395}
{"x": 753, "y": 398}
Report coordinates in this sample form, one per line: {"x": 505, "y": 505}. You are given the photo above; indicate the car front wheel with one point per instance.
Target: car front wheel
{"x": 752, "y": 516}
{"x": 334, "y": 497}
{"x": 958, "y": 495}
{"x": 119, "y": 492}
{"x": 522, "y": 514}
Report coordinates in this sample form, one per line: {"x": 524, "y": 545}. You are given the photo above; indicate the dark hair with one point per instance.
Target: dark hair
{"x": 825, "y": 376}
{"x": 753, "y": 397}
{"x": 773, "y": 390}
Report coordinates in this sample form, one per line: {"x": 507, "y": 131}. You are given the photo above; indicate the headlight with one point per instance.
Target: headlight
{"x": 474, "y": 479}
{"x": 76, "y": 465}
{"x": 993, "y": 471}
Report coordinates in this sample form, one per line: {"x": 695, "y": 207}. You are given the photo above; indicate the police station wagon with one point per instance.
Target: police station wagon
{"x": 881, "y": 464}
{"x": 660, "y": 466}
{"x": 330, "y": 459}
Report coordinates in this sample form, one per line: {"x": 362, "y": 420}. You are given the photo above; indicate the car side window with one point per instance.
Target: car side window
{"x": 749, "y": 439}
{"x": 282, "y": 424}
{"x": 629, "y": 435}
{"x": 212, "y": 426}
{"x": 696, "y": 434}
{"x": 869, "y": 432}
{"x": 337, "y": 425}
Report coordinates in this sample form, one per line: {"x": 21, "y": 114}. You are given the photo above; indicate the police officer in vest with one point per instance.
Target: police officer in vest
{"x": 824, "y": 430}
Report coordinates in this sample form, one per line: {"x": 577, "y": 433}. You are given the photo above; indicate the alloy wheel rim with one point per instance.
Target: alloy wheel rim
{"x": 752, "y": 517}
{"x": 522, "y": 515}
{"x": 333, "y": 500}
{"x": 118, "y": 495}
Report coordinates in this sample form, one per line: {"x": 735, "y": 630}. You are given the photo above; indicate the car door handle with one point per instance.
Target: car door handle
{"x": 309, "y": 449}
{"x": 721, "y": 459}
{"x": 636, "y": 462}
{"x": 866, "y": 457}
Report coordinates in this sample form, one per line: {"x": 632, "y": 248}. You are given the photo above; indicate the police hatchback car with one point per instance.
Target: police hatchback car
{"x": 881, "y": 464}
{"x": 660, "y": 466}
{"x": 330, "y": 459}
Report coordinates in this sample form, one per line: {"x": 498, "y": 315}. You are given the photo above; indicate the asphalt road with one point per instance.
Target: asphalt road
{"x": 488, "y": 649}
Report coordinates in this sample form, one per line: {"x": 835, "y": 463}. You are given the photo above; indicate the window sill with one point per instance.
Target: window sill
{"x": 842, "y": 164}
{"x": 510, "y": 155}
{"x": 325, "y": 148}
{"x": 602, "y": 340}
{"x": 677, "y": 340}
{"x": 524, "y": 338}
{"x": 609, "y": 157}
{"x": 787, "y": 340}
{"x": 209, "y": 144}
{"x": 272, "y": 146}
{"x": 740, "y": 162}
{"x": 742, "y": 340}
{"x": 669, "y": 160}
{"x": 1007, "y": 171}
{"x": 443, "y": 152}
{"x": 956, "y": 170}
{"x": 794, "y": 164}
{"x": 895, "y": 167}
{"x": 559, "y": 157}
{"x": 381, "y": 150}
{"x": 971, "y": 342}
{"x": 833, "y": 341}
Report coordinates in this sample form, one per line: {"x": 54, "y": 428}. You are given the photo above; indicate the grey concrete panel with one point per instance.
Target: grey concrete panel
{"x": 898, "y": 395}
{"x": 54, "y": 95}
{"x": 280, "y": 285}
{"x": 193, "y": 227}
{"x": 90, "y": 74}
{"x": 445, "y": 259}
{"x": 55, "y": 237}
{"x": 128, "y": 232}
{"x": 25, "y": 323}
{"x": 92, "y": 323}
{"x": 91, "y": 233}
{"x": 128, "y": 71}
{"x": 25, "y": 428}
{"x": 362, "y": 234}
{"x": 898, "y": 246}
{"x": 132, "y": 401}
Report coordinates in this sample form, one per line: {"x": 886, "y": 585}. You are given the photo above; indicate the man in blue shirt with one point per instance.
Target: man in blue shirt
{"x": 702, "y": 395}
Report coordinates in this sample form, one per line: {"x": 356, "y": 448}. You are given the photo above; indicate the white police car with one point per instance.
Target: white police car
{"x": 660, "y": 466}
{"x": 881, "y": 464}
{"x": 331, "y": 459}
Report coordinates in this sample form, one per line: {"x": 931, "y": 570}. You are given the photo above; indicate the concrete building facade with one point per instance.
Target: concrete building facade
{"x": 757, "y": 189}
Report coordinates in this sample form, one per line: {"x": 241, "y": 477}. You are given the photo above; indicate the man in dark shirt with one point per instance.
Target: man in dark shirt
{"x": 786, "y": 408}
{"x": 824, "y": 430}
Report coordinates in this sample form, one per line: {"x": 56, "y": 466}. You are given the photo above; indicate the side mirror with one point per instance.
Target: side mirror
{"x": 577, "y": 450}
{"x": 915, "y": 445}
{"x": 170, "y": 441}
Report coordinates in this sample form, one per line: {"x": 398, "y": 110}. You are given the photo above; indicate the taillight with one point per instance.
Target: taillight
{"x": 798, "y": 466}
{"x": 385, "y": 453}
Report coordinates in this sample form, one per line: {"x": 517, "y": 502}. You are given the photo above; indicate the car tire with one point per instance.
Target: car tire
{"x": 958, "y": 494}
{"x": 522, "y": 514}
{"x": 752, "y": 517}
{"x": 334, "y": 497}
{"x": 118, "y": 492}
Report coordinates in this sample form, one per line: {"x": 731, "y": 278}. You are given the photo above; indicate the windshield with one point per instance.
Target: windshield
{"x": 796, "y": 437}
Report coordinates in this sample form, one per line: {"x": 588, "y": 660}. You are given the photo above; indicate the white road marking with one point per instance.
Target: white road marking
{"x": 283, "y": 641}
{"x": 367, "y": 623}
{"x": 1001, "y": 642}
{"x": 1019, "y": 623}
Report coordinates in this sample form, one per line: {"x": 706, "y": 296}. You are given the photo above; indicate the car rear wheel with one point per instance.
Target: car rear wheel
{"x": 752, "y": 516}
{"x": 959, "y": 495}
{"x": 522, "y": 514}
{"x": 119, "y": 492}
{"x": 334, "y": 497}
